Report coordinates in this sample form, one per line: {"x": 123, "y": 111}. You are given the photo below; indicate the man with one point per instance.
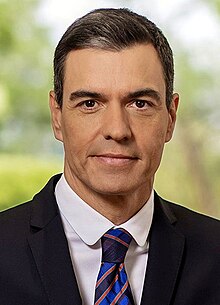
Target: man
{"x": 113, "y": 107}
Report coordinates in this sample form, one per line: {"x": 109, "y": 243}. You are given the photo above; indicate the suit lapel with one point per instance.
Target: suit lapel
{"x": 51, "y": 254}
{"x": 50, "y": 250}
{"x": 165, "y": 257}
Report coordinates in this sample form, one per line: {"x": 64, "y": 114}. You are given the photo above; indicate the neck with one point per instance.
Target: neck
{"x": 118, "y": 208}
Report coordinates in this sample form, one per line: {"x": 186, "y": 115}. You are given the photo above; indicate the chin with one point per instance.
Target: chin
{"x": 115, "y": 188}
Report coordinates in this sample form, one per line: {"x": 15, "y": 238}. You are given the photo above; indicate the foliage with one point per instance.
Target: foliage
{"x": 25, "y": 76}
{"x": 23, "y": 176}
{"x": 191, "y": 168}
{"x": 215, "y": 3}
{"x": 198, "y": 131}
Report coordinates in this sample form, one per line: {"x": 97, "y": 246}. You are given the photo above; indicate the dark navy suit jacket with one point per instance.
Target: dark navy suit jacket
{"x": 35, "y": 265}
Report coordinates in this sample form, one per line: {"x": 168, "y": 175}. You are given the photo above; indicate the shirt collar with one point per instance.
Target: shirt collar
{"x": 90, "y": 225}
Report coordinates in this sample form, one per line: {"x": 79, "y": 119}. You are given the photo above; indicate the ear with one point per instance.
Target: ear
{"x": 56, "y": 116}
{"x": 172, "y": 116}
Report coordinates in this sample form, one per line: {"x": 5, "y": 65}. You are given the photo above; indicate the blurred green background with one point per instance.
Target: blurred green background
{"x": 29, "y": 155}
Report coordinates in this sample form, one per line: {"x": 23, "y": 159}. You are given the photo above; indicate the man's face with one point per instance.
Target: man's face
{"x": 114, "y": 121}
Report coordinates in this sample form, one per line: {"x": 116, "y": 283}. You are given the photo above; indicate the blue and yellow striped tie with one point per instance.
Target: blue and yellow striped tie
{"x": 112, "y": 285}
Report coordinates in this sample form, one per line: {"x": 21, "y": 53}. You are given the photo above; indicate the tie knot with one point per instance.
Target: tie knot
{"x": 115, "y": 244}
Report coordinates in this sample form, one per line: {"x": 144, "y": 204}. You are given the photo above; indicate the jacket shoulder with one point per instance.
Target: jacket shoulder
{"x": 194, "y": 225}
{"x": 16, "y": 214}
{"x": 42, "y": 206}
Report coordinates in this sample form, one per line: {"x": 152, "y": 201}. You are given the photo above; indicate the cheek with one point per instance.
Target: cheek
{"x": 77, "y": 136}
{"x": 152, "y": 141}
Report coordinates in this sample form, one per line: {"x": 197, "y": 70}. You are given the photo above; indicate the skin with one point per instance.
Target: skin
{"x": 113, "y": 124}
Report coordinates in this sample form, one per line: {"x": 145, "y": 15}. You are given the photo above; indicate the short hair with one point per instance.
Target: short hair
{"x": 113, "y": 30}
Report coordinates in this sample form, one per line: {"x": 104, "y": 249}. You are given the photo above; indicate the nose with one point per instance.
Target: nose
{"x": 116, "y": 125}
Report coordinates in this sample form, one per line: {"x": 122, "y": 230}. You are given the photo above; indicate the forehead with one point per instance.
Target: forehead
{"x": 131, "y": 68}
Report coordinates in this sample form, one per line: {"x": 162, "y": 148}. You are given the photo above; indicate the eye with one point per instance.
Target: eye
{"x": 140, "y": 104}
{"x": 89, "y": 104}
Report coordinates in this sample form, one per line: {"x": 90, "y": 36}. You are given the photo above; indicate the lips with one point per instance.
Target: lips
{"x": 115, "y": 159}
{"x": 118, "y": 156}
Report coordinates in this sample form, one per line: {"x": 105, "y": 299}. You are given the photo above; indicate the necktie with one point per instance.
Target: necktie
{"x": 112, "y": 285}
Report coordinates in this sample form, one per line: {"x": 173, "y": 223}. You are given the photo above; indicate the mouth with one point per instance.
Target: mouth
{"x": 115, "y": 159}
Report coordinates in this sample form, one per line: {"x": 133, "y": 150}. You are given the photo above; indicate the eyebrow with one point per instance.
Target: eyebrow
{"x": 84, "y": 93}
{"x": 132, "y": 95}
{"x": 145, "y": 92}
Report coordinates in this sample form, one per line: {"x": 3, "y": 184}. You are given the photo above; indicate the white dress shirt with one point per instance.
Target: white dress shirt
{"x": 84, "y": 228}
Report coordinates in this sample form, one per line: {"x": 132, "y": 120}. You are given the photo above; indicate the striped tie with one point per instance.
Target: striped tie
{"x": 112, "y": 285}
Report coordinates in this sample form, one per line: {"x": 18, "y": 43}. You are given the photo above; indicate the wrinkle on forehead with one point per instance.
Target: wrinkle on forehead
{"x": 111, "y": 72}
